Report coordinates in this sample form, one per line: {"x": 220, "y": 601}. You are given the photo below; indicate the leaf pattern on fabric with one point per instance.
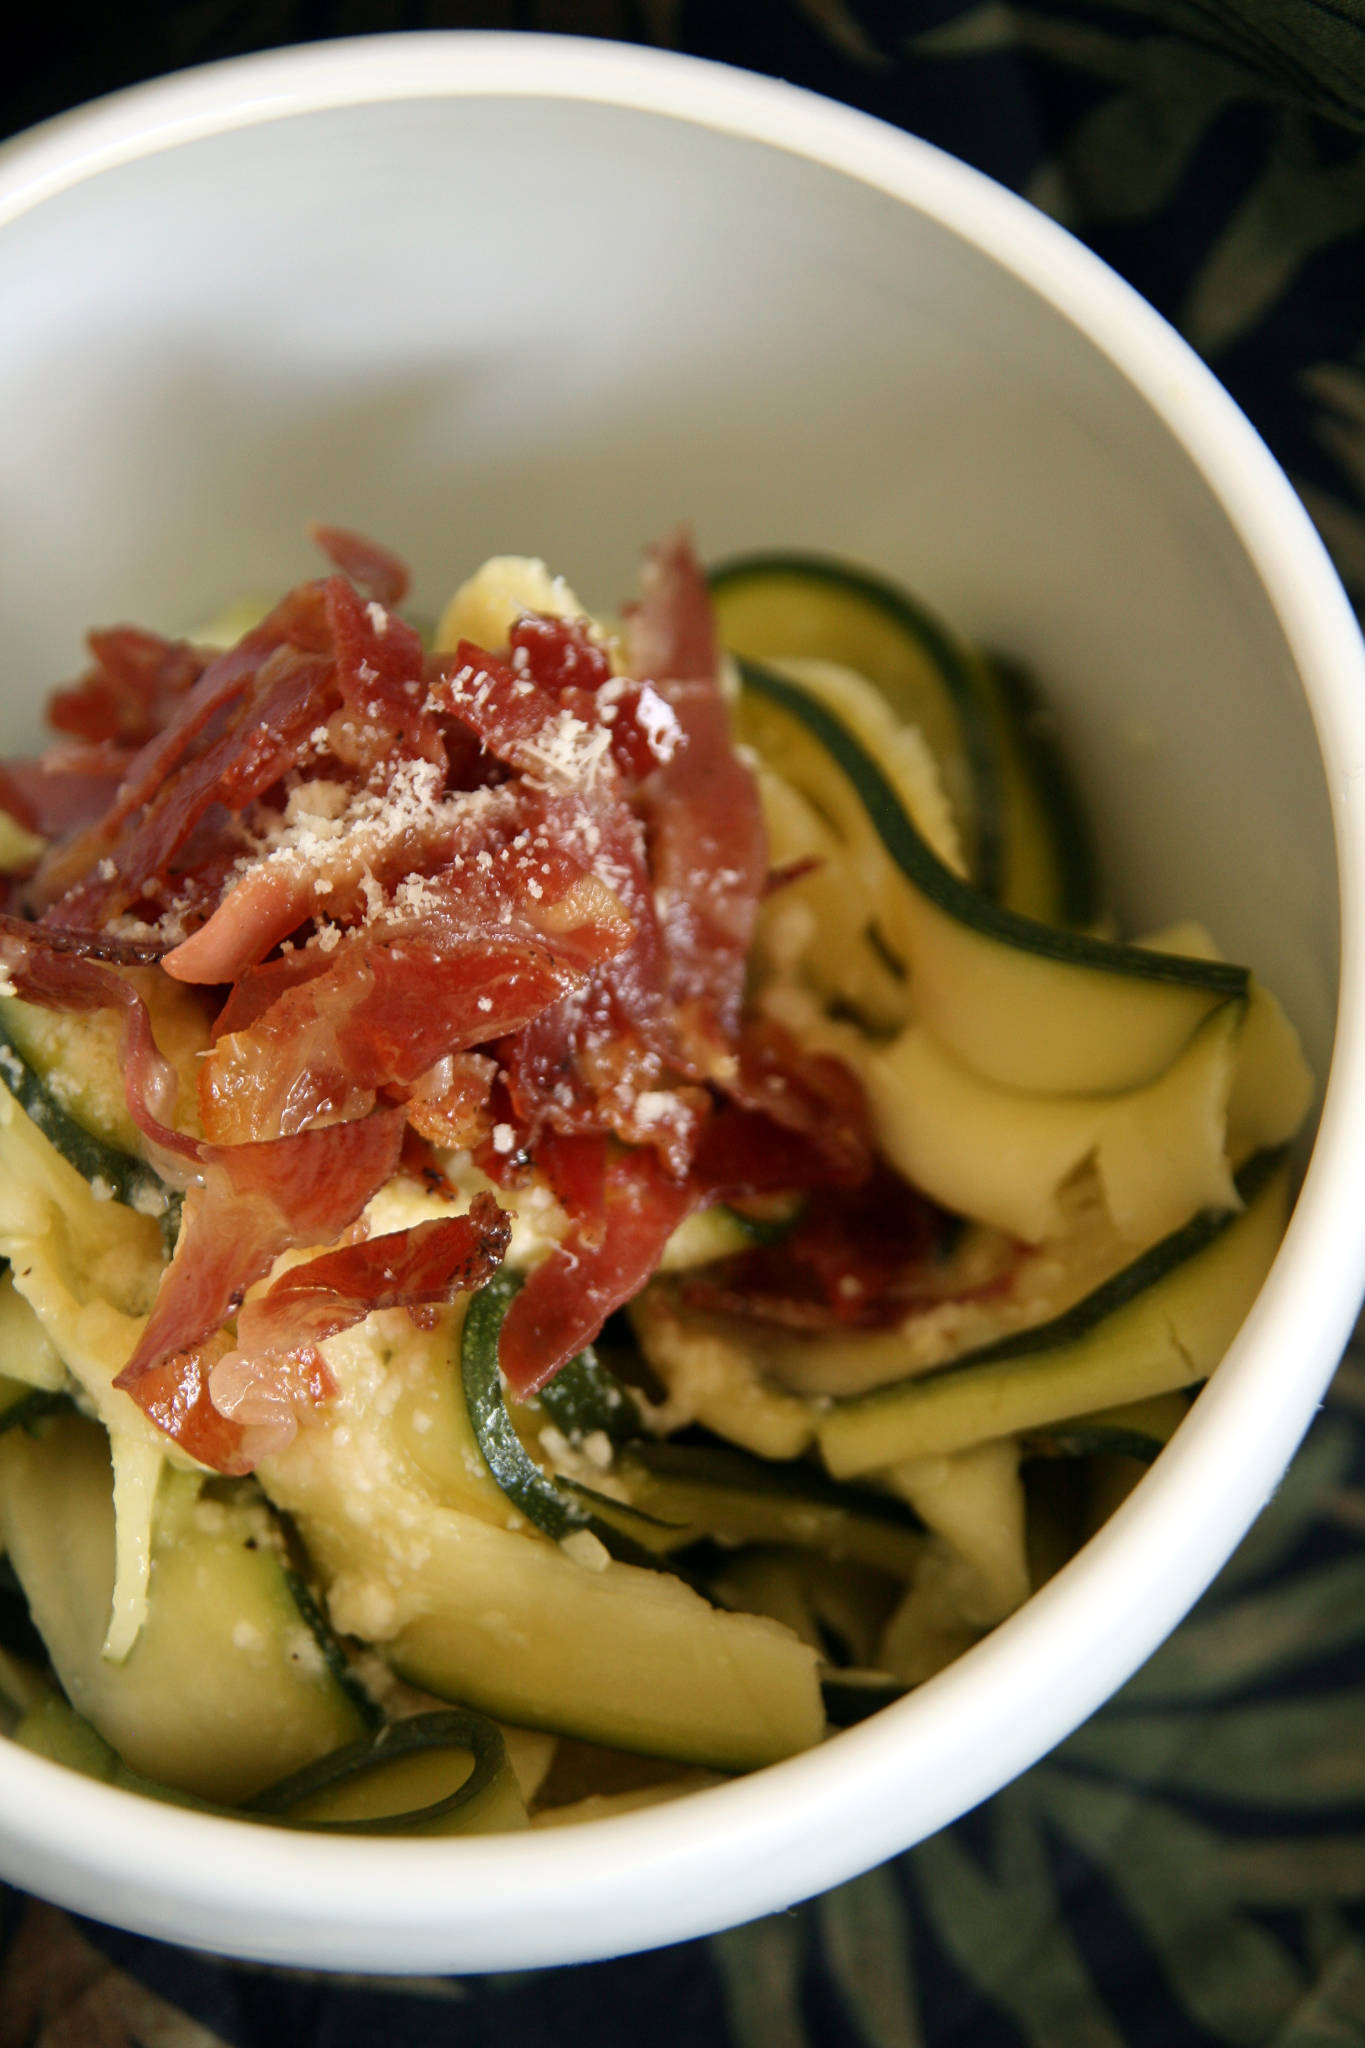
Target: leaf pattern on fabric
{"x": 1336, "y": 394}
{"x": 1231, "y": 1974}
{"x": 60, "y": 1992}
{"x": 1304, "y": 200}
{"x": 866, "y": 1954}
{"x": 760, "y": 1968}
{"x": 1006, "y": 1930}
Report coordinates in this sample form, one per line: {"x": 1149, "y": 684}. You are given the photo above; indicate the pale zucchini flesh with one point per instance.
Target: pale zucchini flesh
{"x": 1049, "y": 866}
{"x": 698, "y": 1492}
{"x": 1025, "y": 1004}
{"x": 810, "y": 607}
{"x": 506, "y": 1622}
{"x": 1001, "y": 1155}
{"x": 1161, "y": 1324}
{"x": 225, "y": 1688}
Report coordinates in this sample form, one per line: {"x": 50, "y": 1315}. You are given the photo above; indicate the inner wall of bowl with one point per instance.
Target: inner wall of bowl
{"x": 553, "y": 328}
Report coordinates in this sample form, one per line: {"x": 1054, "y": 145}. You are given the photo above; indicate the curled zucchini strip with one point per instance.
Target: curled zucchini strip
{"x": 123, "y": 1177}
{"x": 1002, "y": 1155}
{"x": 1050, "y": 867}
{"x": 1025, "y": 1004}
{"x": 344, "y": 1793}
{"x": 394, "y": 1781}
{"x": 528, "y": 1488}
{"x": 1161, "y": 1324}
{"x": 584, "y": 1397}
{"x": 772, "y": 607}
{"x": 559, "y": 1511}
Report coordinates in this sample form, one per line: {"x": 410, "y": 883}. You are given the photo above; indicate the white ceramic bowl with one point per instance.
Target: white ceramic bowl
{"x": 479, "y": 293}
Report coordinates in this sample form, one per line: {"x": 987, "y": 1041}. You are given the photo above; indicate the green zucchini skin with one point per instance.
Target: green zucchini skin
{"x": 714, "y": 1491}
{"x": 585, "y": 1396}
{"x": 129, "y": 1180}
{"x": 1024, "y": 829}
{"x": 1042, "y": 805}
{"x": 557, "y": 1509}
{"x": 960, "y": 900}
{"x": 368, "y": 1712}
{"x": 1023, "y": 1003}
{"x": 853, "y": 1696}
{"x": 678, "y": 1494}
{"x": 1046, "y": 1374}
{"x": 422, "y": 1735}
{"x": 515, "y": 1471}
{"x": 486, "y": 1798}
{"x": 789, "y": 606}
{"x": 1139, "y": 1429}
{"x": 221, "y": 1692}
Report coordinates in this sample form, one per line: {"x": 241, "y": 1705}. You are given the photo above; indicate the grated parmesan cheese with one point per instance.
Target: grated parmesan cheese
{"x": 566, "y": 753}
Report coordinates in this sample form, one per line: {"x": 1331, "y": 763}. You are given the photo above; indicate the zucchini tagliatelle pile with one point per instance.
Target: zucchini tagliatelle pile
{"x": 578, "y": 1209}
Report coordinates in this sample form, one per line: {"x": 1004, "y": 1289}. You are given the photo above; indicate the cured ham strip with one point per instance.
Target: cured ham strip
{"x": 811, "y": 1097}
{"x": 65, "y": 790}
{"x": 568, "y": 1297}
{"x": 605, "y": 1057}
{"x": 132, "y": 690}
{"x": 560, "y": 655}
{"x": 708, "y": 856}
{"x": 261, "y": 986}
{"x": 381, "y": 680}
{"x": 174, "y": 1395}
{"x": 859, "y": 1258}
{"x": 379, "y": 1016}
{"x": 707, "y": 847}
{"x": 576, "y": 1169}
{"x": 227, "y": 723}
{"x": 256, "y": 1201}
{"x": 451, "y": 1104}
{"x": 298, "y": 622}
{"x": 510, "y": 861}
{"x": 382, "y": 574}
{"x": 671, "y": 632}
{"x": 430, "y": 1263}
{"x": 517, "y": 719}
{"x": 57, "y": 972}
{"x": 562, "y": 658}
{"x": 265, "y": 739}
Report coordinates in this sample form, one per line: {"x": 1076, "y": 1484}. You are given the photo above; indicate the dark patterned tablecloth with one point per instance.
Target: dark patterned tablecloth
{"x": 1188, "y": 1870}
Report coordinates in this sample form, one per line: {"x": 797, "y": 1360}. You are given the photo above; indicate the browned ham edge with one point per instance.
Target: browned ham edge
{"x": 501, "y": 899}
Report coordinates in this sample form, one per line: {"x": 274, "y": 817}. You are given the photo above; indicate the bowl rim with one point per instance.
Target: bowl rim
{"x": 722, "y": 1856}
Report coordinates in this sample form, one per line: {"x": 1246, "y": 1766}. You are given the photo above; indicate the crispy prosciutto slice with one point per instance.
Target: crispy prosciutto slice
{"x": 810, "y": 1103}
{"x": 413, "y": 858}
{"x": 601, "y": 1264}
{"x": 707, "y": 849}
{"x": 499, "y": 900}
{"x": 255, "y": 1201}
{"x": 376, "y": 1016}
{"x": 218, "y": 736}
{"x": 857, "y": 1258}
{"x": 429, "y": 1263}
{"x": 131, "y": 690}
{"x": 65, "y": 790}
{"x": 174, "y": 1394}
{"x": 384, "y": 714}
{"x": 64, "y": 970}
{"x": 384, "y": 576}
{"x": 256, "y": 1382}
